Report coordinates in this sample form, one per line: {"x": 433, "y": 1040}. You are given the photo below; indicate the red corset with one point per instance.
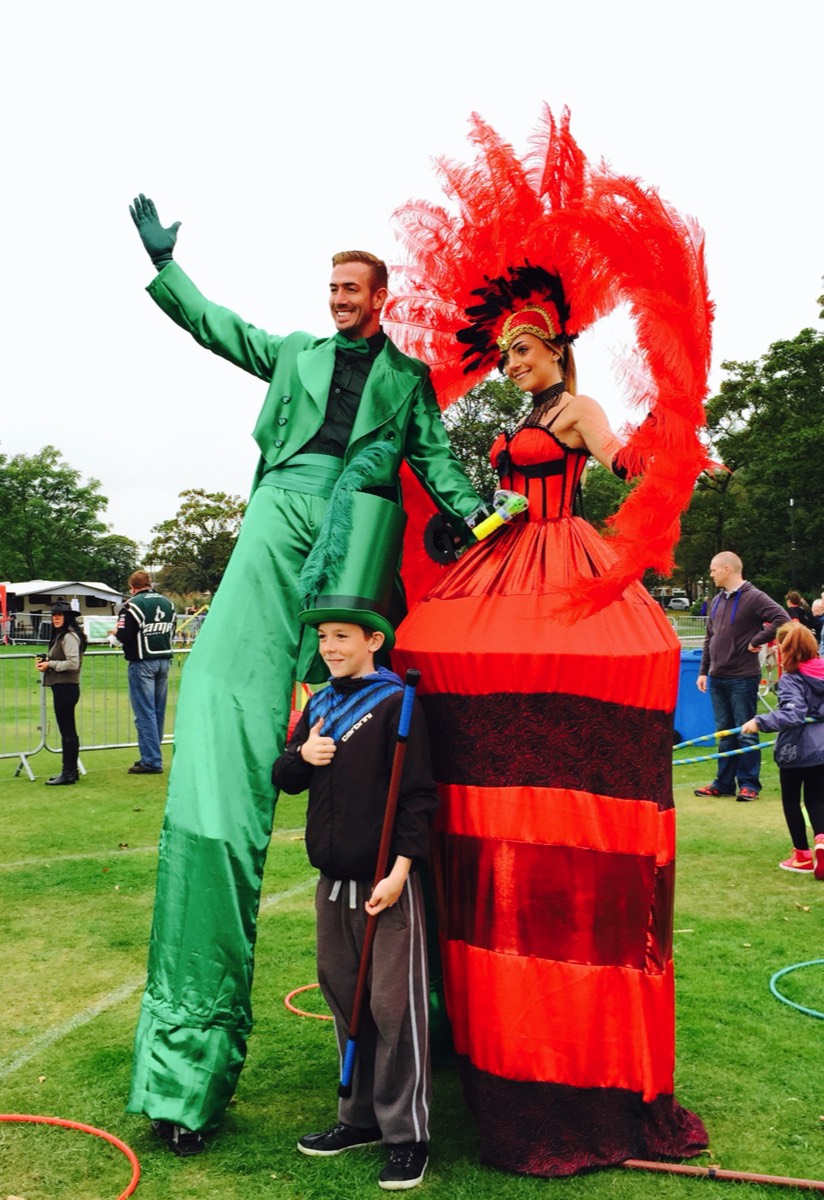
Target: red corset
{"x": 534, "y": 462}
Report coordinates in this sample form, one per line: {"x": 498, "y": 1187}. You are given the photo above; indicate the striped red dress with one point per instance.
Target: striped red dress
{"x": 555, "y": 840}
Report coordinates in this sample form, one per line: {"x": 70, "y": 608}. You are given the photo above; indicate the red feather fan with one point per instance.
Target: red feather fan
{"x": 610, "y": 241}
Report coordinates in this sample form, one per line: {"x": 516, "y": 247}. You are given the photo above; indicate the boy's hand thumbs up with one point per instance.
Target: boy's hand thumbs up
{"x": 317, "y": 749}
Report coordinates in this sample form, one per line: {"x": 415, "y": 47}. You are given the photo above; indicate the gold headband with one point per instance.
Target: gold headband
{"x": 508, "y": 334}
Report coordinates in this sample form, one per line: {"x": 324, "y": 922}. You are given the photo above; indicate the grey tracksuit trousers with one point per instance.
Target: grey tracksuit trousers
{"x": 391, "y": 1086}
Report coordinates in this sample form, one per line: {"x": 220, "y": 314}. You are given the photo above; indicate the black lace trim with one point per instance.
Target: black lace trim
{"x": 509, "y": 739}
{"x": 552, "y": 1129}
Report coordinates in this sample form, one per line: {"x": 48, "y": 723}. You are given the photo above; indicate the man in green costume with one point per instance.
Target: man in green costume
{"x": 329, "y": 401}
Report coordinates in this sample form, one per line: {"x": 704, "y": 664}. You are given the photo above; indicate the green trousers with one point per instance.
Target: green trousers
{"x": 230, "y": 726}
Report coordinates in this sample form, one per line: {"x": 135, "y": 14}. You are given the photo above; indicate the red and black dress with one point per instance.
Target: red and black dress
{"x": 552, "y": 746}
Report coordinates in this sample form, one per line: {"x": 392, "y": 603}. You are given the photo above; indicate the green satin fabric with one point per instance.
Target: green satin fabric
{"x": 231, "y": 724}
{"x": 313, "y": 474}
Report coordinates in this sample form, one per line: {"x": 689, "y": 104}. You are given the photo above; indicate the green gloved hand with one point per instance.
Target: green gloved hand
{"x": 159, "y": 242}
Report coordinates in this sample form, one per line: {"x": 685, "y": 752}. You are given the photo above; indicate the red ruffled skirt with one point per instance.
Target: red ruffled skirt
{"x": 555, "y": 849}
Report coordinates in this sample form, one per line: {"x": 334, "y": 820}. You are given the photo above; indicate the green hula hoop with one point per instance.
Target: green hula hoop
{"x": 811, "y": 1012}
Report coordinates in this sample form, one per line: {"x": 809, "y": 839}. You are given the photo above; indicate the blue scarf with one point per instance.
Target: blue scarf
{"x": 345, "y": 701}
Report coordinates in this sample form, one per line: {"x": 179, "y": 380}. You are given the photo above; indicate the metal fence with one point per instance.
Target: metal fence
{"x": 691, "y": 630}
{"x": 104, "y": 715}
{"x": 35, "y": 629}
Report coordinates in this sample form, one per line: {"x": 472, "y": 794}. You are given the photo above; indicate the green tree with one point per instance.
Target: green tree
{"x": 51, "y": 521}
{"x": 704, "y": 526}
{"x": 475, "y": 420}
{"x": 113, "y": 558}
{"x": 603, "y": 493}
{"x": 195, "y": 545}
{"x": 767, "y": 427}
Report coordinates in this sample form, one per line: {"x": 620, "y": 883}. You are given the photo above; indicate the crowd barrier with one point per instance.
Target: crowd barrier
{"x": 104, "y": 715}
{"x": 691, "y": 630}
{"x": 35, "y": 629}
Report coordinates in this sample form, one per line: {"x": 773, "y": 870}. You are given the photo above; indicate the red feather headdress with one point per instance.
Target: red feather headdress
{"x": 577, "y": 241}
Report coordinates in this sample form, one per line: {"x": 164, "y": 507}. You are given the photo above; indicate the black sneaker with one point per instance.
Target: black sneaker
{"x": 337, "y": 1139}
{"x": 405, "y": 1167}
{"x": 181, "y": 1141}
{"x": 140, "y": 769}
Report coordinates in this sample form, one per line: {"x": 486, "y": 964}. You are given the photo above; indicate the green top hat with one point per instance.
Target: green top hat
{"x": 350, "y": 573}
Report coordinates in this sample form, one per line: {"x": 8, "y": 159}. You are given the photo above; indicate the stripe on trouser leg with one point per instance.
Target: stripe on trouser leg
{"x": 417, "y": 956}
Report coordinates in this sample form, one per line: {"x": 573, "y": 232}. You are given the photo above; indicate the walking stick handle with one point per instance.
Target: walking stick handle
{"x": 411, "y": 680}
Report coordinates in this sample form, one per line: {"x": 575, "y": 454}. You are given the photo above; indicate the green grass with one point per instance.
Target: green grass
{"x": 76, "y": 882}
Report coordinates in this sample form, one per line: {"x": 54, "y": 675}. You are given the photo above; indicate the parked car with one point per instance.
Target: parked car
{"x": 679, "y": 603}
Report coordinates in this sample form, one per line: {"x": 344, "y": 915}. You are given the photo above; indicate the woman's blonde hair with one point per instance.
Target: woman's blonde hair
{"x": 797, "y": 645}
{"x": 567, "y": 365}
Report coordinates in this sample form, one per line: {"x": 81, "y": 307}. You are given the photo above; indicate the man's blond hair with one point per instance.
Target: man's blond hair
{"x": 380, "y": 275}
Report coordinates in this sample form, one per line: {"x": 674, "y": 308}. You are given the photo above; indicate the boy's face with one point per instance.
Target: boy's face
{"x": 347, "y": 651}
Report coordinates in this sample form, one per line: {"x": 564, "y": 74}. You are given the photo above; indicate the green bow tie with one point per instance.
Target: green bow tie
{"x": 361, "y": 346}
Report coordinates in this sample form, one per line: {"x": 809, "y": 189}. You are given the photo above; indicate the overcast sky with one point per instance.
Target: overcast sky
{"x": 279, "y": 139}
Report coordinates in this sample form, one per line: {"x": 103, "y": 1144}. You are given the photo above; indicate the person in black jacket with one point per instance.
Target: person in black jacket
{"x": 342, "y": 751}
{"x": 60, "y": 669}
{"x": 145, "y": 627}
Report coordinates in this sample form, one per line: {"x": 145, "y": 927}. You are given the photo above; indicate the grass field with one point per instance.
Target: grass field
{"x": 76, "y": 883}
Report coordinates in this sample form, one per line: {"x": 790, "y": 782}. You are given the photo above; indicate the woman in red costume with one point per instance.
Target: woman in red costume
{"x": 549, "y": 673}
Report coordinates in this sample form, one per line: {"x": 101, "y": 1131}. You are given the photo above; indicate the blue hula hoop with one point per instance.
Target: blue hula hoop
{"x": 811, "y": 1012}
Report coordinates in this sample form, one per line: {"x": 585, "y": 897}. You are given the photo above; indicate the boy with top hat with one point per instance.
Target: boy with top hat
{"x": 342, "y": 751}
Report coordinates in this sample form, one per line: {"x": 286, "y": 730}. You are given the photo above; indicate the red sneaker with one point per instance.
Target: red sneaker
{"x": 746, "y": 793}
{"x": 801, "y": 861}
{"x": 818, "y": 856}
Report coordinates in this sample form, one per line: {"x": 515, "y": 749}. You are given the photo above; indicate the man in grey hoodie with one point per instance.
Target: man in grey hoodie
{"x": 741, "y": 620}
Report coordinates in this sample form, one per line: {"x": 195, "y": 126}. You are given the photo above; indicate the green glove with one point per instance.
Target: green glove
{"x": 159, "y": 242}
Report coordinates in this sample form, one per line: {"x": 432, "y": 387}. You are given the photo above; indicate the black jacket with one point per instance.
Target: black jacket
{"x": 347, "y": 798}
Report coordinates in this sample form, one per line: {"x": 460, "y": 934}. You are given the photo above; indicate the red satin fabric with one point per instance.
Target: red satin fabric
{"x": 494, "y": 889}
{"x": 578, "y": 818}
{"x": 483, "y": 627}
{"x": 530, "y": 1019}
{"x": 555, "y": 901}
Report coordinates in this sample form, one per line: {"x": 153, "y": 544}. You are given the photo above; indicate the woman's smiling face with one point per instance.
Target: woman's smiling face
{"x": 531, "y": 364}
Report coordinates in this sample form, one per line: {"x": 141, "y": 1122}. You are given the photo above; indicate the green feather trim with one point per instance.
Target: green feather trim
{"x": 329, "y": 552}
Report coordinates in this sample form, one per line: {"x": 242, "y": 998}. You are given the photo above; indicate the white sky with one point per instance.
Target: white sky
{"x": 279, "y": 139}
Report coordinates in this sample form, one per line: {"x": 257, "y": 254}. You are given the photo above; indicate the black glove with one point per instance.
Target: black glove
{"x": 159, "y": 242}
{"x": 442, "y": 541}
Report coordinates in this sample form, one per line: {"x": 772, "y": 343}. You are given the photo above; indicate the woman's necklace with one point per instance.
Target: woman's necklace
{"x": 546, "y": 400}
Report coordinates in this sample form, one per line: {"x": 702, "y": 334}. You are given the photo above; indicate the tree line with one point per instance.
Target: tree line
{"x": 52, "y": 526}
{"x": 766, "y": 425}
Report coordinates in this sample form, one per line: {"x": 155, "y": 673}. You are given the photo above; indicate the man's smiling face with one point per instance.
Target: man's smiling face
{"x": 355, "y": 306}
